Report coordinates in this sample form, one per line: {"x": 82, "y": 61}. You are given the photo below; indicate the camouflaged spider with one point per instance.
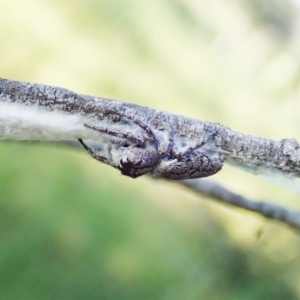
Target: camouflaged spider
{"x": 140, "y": 156}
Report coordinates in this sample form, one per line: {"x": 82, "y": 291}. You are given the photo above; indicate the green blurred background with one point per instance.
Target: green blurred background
{"x": 72, "y": 228}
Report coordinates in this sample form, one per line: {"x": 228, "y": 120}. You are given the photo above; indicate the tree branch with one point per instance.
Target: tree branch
{"x": 38, "y": 112}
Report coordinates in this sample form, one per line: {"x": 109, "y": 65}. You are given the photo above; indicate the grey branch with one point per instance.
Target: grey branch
{"x": 221, "y": 194}
{"x": 133, "y": 122}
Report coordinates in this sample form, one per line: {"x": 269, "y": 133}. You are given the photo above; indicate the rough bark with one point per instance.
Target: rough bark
{"x": 250, "y": 152}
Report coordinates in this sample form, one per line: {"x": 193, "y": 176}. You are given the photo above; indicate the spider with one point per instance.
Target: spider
{"x": 140, "y": 156}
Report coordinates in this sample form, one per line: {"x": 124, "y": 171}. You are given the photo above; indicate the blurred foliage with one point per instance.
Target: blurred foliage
{"x": 279, "y": 15}
{"x": 69, "y": 232}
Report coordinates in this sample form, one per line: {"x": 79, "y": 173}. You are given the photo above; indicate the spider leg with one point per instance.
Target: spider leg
{"x": 199, "y": 145}
{"x": 146, "y": 128}
{"x": 131, "y": 138}
{"x": 196, "y": 146}
{"x": 90, "y": 151}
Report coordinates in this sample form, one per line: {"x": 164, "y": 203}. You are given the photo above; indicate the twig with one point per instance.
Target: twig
{"x": 221, "y": 194}
{"x": 217, "y": 192}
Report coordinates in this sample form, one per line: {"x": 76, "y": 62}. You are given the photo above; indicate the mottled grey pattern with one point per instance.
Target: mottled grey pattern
{"x": 173, "y": 148}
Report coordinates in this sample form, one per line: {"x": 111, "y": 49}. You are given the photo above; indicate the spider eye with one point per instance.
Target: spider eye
{"x": 140, "y": 146}
{"x": 171, "y": 157}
